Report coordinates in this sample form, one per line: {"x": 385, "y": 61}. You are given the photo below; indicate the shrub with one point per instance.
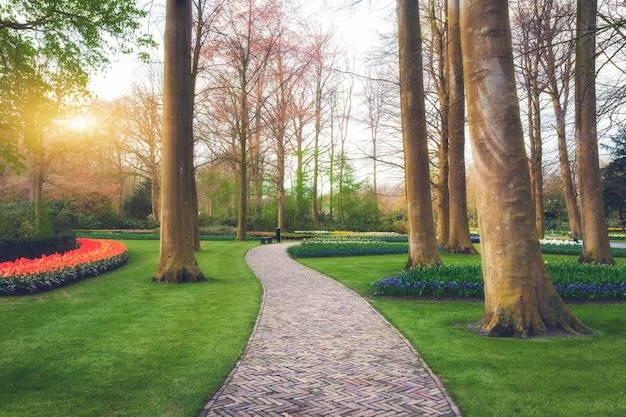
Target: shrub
{"x": 34, "y": 247}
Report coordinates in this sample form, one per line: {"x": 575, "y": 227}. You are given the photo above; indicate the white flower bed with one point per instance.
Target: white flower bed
{"x": 558, "y": 242}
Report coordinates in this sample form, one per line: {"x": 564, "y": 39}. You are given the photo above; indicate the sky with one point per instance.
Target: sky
{"x": 356, "y": 28}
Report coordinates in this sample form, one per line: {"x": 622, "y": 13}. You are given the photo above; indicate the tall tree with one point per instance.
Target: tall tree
{"x": 459, "y": 238}
{"x": 436, "y": 13}
{"x": 71, "y": 38}
{"x": 245, "y": 38}
{"x": 596, "y": 247}
{"x": 177, "y": 258}
{"x": 520, "y": 299}
{"x": 422, "y": 243}
{"x": 323, "y": 59}
{"x": 530, "y": 19}
{"x": 558, "y": 63}
{"x": 140, "y": 118}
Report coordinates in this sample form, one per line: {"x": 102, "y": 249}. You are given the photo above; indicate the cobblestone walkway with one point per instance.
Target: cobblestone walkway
{"x": 321, "y": 350}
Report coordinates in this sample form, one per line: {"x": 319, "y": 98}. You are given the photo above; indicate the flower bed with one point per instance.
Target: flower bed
{"x": 575, "y": 282}
{"x": 93, "y": 257}
{"x": 396, "y": 244}
{"x": 348, "y": 246}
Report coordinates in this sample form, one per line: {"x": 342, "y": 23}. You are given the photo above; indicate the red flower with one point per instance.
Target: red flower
{"x": 95, "y": 255}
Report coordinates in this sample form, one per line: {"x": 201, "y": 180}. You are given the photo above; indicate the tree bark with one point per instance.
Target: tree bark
{"x": 177, "y": 259}
{"x": 422, "y": 242}
{"x": 596, "y": 247}
{"x": 459, "y": 237}
{"x": 520, "y": 299}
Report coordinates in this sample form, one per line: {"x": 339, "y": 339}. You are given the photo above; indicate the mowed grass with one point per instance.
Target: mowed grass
{"x": 120, "y": 345}
{"x": 560, "y": 376}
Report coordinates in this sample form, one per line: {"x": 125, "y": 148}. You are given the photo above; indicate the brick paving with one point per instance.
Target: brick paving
{"x": 319, "y": 349}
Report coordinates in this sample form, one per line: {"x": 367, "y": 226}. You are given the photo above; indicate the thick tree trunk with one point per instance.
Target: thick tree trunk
{"x": 596, "y": 247}
{"x": 459, "y": 238}
{"x": 520, "y": 299}
{"x": 422, "y": 242}
{"x": 177, "y": 259}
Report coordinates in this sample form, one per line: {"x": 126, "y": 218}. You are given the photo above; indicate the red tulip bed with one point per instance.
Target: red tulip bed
{"x": 29, "y": 276}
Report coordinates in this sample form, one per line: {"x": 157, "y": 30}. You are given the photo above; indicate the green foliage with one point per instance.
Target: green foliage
{"x": 17, "y": 219}
{"x": 75, "y": 36}
{"x": 78, "y": 211}
{"x": 47, "y": 50}
{"x": 614, "y": 177}
{"x": 139, "y": 205}
{"x": 33, "y": 247}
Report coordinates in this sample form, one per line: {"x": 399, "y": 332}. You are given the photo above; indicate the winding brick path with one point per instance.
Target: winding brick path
{"x": 321, "y": 350}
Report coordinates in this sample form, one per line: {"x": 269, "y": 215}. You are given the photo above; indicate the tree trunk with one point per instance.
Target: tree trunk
{"x": 459, "y": 238}
{"x": 177, "y": 259}
{"x": 437, "y": 67}
{"x": 596, "y": 247}
{"x": 155, "y": 192}
{"x": 443, "y": 193}
{"x": 520, "y": 299}
{"x": 573, "y": 212}
{"x": 422, "y": 242}
{"x": 37, "y": 193}
{"x": 244, "y": 127}
{"x": 315, "y": 209}
{"x": 536, "y": 153}
{"x": 280, "y": 177}
{"x": 242, "y": 227}
{"x": 559, "y": 97}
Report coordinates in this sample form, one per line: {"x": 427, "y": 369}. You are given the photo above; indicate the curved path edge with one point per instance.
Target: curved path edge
{"x": 319, "y": 349}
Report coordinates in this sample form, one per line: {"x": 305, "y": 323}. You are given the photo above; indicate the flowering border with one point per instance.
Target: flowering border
{"x": 93, "y": 257}
{"x": 573, "y": 282}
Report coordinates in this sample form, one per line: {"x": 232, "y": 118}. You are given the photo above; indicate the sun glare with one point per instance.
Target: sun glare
{"x": 78, "y": 123}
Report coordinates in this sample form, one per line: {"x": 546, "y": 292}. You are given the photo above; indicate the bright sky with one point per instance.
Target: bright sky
{"x": 356, "y": 27}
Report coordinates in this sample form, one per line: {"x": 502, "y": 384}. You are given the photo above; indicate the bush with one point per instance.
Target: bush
{"x": 139, "y": 205}
{"x": 34, "y": 247}
{"x": 17, "y": 219}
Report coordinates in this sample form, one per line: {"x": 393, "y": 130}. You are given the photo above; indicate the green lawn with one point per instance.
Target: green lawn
{"x": 565, "y": 376}
{"x": 120, "y": 345}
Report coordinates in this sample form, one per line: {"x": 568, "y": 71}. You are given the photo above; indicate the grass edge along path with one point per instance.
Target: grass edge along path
{"x": 557, "y": 377}
{"x": 120, "y": 345}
